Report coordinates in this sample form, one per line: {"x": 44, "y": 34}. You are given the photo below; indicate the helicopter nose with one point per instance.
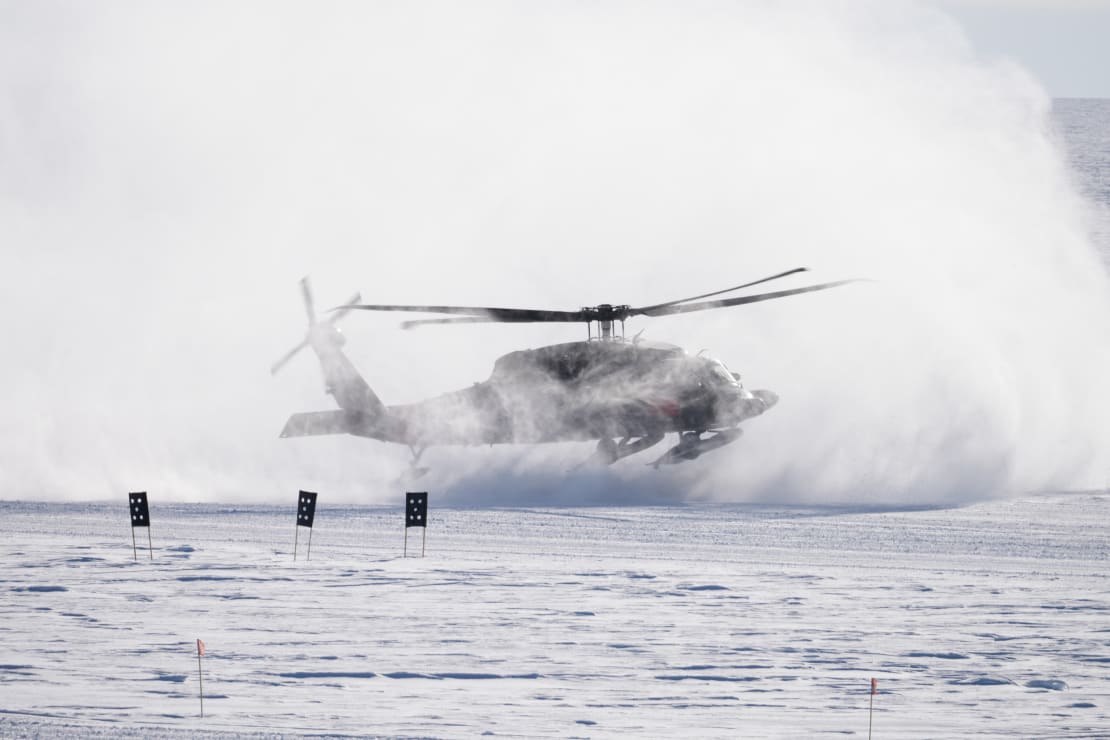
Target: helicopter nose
{"x": 752, "y": 403}
{"x": 769, "y": 398}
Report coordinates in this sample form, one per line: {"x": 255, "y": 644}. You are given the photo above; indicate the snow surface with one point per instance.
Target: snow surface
{"x": 695, "y": 620}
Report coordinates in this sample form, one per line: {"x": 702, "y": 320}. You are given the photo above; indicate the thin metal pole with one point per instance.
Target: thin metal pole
{"x": 200, "y": 677}
{"x": 296, "y": 534}
{"x": 424, "y": 541}
{"x": 134, "y": 547}
{"x": 870, "y": 714}
{"x": 309, "y": 556}
{"x": 150, "y": 542}
{"x": 406, "y": 541}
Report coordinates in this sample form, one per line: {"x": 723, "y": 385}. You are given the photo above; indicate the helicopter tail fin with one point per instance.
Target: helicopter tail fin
{"x": 361, "y": 411}
{"x": 341, "y": 379}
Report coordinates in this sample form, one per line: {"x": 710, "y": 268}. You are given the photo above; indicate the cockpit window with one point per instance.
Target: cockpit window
{"x": 720, "y": 373}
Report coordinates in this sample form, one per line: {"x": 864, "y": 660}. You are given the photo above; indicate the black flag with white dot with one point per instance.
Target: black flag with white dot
{"x": 306, "y": 508}
{"x": 140, "y": 511}
{"x": 416, "y": 509}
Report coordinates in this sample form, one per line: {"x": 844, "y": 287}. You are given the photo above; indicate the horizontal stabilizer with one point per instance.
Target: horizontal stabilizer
{"x": 312, "y": 423}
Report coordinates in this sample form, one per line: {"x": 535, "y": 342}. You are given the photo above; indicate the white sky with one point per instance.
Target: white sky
{"x": 1064, "y": 43}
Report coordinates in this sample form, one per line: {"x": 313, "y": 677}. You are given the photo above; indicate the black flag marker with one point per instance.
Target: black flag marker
{"x": 306, "y": 515}
{"x": 416, "y": 509}
{"x": 306, "y": 512}
{"x": 416, "y": 515}
{"x": 140, "y": 517}
{"x": 140, "y": 510}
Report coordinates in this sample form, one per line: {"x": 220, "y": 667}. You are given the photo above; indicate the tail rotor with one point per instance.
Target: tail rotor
{"x": 310, "y": 312}
{"x": 309, "y": 304}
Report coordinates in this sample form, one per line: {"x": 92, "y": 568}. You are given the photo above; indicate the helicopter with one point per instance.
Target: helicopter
{"x": 625, "y": 394}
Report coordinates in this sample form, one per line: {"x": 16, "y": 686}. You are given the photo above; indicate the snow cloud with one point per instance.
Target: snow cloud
{"x": 169, "y": 172}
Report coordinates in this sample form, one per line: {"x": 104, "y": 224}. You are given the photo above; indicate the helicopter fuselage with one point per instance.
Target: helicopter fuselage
{"x": 582, "y": 391}
{"x": 578, "y": 391}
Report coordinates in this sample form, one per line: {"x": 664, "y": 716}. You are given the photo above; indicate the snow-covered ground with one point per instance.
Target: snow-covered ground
{"x": 710, "y": 621}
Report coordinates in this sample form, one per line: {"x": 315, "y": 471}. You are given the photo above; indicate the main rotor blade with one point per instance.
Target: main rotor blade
{"x": 645, "y": 309}
{"x": 668, "y": 309}
{"x": 340, "y": 311}
{"x": 485, "y": 313}
{"x": 287, "y": 357}
{"x": 309, "y": 305}
{"x": 455, "y": 320}
{"x": 518, "y": 316}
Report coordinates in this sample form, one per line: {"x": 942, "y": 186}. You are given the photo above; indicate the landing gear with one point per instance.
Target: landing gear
{"x": 414, "y": 471}
{"x": 608, "y": 451}
{"x": 691, "y": 446}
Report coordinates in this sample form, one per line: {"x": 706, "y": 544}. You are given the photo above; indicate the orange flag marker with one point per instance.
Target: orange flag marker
{"x": 200, "y": 676}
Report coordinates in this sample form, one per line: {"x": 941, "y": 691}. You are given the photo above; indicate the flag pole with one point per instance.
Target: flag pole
{"x": 200, "y": 675}
{"x": 296, "y": 534}
{"x": 871, "y": 708}
{"x": 309, "y": 556}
